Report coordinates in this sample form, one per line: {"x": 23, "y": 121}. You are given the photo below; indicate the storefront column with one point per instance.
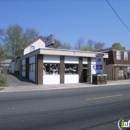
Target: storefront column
{"x": 104, "y": 66}
{"x": 35, "y": 68}
{"x": 39, "y": 69}
{"x": 80, "y": 69}
{"x": 89, "y": 70}
{"x": 20, "y": 68}
{"x": 62, "y": 69}
{"x": 27, "y": 68}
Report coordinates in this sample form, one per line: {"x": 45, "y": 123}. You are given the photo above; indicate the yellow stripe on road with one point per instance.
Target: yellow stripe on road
{"x": 111, "y": 96}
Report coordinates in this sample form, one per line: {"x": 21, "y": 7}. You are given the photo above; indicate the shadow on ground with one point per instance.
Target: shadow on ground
{"x": 22, "y": 79}
{"x": 17, "y": 80}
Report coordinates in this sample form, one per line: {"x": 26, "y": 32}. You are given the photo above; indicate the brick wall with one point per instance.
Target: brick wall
{"x": 112, "y": 58}
{"x": 116, "y": 73}
{"x": 108, "y": 71}
{"x": 39, "y": 69}
{"x": 62, "y": 69}
{"x": 89, "y": 70}
{"x": 80, "y": 69}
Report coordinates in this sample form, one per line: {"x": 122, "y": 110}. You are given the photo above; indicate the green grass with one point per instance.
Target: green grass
{"x": 2, "y": 80}
{"x": 4, "y": 85}
{"x": 1, "y": 89}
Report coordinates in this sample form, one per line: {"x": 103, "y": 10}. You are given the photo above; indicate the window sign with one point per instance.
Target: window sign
{"x": 49, "y": 40}
{"x": 50, "y": 68}
{"x": 71, "y": 68}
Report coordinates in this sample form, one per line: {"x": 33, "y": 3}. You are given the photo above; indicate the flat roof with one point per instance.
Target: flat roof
{"x": 63, "y": 52}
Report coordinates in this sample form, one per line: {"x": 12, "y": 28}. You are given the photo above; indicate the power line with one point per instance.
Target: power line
{"x": 117, "y": 15}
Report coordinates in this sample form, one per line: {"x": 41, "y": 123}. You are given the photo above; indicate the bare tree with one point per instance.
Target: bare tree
{"x": 99, "y": 45}
{"x": 79, "y": 43}
{"x": 57, "y": 44}
{"x": 1, "y": 34}
{"x": 92, "y": 45}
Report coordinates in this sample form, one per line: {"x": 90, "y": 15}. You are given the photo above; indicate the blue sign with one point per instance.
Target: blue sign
{"x": 99, "y": 67}
{"x": 99, "y": 59}
{"x": 99, "y": 64}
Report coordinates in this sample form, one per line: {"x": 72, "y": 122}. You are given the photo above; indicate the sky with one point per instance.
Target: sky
{"x": 70, "y": 20}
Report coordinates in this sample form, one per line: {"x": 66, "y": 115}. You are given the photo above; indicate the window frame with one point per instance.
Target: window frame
{"x": 23, "y": 70}
{"x": 32, "y": 67}
{"x": 125, "y": 55}
{"x": 32, "y": 49}
{"x": 118, "y": 55}
{"x": 121, "y": 72}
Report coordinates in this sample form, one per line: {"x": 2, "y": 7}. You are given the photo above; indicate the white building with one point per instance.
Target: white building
{"x": 45, "y": 65}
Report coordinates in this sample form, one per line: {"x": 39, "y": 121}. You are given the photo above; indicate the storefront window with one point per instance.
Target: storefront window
{"x": 51, "y": 68}
{"x": 71, "y": 68}
{"x": 121, "y": 72}
{"x": 32, "y": 67}
{"x": 23, "y": 67}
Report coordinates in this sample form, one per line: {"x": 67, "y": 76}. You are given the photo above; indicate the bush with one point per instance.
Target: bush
{"x": 2, "y": 80}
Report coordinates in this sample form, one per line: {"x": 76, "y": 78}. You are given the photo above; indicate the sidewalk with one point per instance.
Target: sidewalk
{"x": 35, "y": 87}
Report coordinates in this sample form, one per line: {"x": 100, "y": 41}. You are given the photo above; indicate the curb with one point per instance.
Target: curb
{"x": 36, "y": 88}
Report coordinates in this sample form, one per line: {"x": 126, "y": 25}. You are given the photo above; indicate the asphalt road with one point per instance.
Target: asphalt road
{"x": 72, "y": 109}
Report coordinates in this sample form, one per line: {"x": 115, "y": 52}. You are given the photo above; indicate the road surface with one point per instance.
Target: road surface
{"x": 71, "y": 109}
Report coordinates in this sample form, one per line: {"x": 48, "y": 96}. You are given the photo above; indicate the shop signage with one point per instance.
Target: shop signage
{"x": 99, "y": 63}
{"x": 50, "y": 40}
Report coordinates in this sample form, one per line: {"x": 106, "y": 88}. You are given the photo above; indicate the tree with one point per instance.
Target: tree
{"x": 29, "y": 35}
{"x": 93, "y": 46}
{"x": 1, "y": 35}
{"x": 118, "y": 46}
{"x": 13, "y": 39}
{"x": 79, "y": 43}
{"x": 87, "y": 48}
{"x": 66, "y": 46}
{"x": 1, "y": 50}
{"x": 16, "y": 38}
{"x": 59, "y": 45}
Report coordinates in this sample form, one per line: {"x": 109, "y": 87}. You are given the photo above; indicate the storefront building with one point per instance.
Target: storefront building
{"x": 45, "y": 65}
{"x": 52, "y": 66}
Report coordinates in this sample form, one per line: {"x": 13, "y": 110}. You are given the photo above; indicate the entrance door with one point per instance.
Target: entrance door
{"x": 84, "y": 75}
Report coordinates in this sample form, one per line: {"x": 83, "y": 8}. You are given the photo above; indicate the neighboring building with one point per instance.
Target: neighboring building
{"x": 5, "y": 63}
{"x": 118, "y": 63}
{"x": 45, "y": 65}
{"x": 5, "y": 66}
